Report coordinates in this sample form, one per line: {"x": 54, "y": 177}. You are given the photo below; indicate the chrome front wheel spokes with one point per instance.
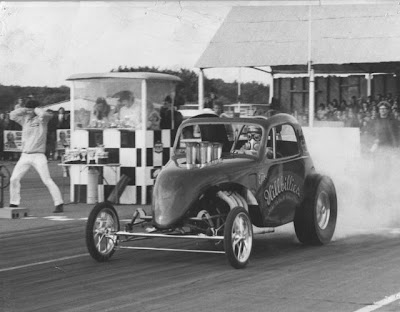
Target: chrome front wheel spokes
{"x": 104, "y": 227}
{"x": 241, "y": 238}
{"x": 238, "y": 237}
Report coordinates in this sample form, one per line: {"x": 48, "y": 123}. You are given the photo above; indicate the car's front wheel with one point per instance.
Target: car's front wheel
{"x": 315, "y": 219}
{"x": 102, "y": 223}
{"x": 238, "y": 237}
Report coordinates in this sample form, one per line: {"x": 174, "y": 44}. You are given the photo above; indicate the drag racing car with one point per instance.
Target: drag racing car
{"x": 227, "y": 180}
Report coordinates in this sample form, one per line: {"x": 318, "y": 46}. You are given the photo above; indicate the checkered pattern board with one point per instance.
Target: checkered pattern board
{"x": 141, "y": 154}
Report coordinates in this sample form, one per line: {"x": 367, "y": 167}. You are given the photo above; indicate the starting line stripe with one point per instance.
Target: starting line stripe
{"x": 41, "y": 262}
{"x": 380, "y": 304}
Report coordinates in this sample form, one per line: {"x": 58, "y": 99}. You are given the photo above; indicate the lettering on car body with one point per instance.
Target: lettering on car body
{"x": 280, "y": 185}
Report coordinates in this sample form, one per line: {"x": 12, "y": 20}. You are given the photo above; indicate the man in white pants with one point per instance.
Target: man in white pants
{"x": 34, "y": 132}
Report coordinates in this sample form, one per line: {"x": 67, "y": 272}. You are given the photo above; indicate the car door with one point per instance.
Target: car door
{"x": 281, "y": 183}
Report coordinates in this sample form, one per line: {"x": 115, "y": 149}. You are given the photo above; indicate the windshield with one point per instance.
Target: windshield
{"x": 201, "y": 143}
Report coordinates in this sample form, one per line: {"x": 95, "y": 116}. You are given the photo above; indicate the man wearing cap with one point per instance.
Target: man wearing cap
{"x": 129, "y": 110}
{"x": 384, "y": 131}
{"x": 34, "y": 122}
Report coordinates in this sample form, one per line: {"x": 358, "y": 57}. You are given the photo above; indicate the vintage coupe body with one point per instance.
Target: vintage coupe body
{"x": 227, "y": 180}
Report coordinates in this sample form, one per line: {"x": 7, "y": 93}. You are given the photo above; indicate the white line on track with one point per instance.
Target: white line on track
{"x": 58, "y": 218}
{"x": 41, "y": 262}
{"x": 379, "y": 304}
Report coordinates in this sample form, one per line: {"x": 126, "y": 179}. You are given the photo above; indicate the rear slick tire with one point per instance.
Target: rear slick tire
{"x": 315, "y": 219}
{"x": 238, "y": 237}
{"x": 102, "y": 223}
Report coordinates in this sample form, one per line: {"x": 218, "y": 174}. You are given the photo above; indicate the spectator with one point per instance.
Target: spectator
{"x": 62, "y": 142}
{"x": 330, "y": 115}
{"x": 210, "y": 100}
{"x": 163, "y": 111}
{"x": 321, "y": 112}
{"x": 364, "y": 107}
{"x": 101, "y": 109}
{"x": 373, "y": 106}
{"x": 395, "y": 105}
{"x": 218, "y": 108}
{"x": 396, "y": 114}
{"x": 368, "y": 122}
{"x": 20, "y": 102}
{"x": 63, "y": 121}
{"x": 374, "y": 114}
{"x": 153, "y": 117}
{"x": 389, "y": 98}
{"x": 343, "y": 105}
{"x": 378, "y": 98}
{"x": 173, "y": 112}
{"x": 361, "y": 122}
{"x": 128, "y": 111}
{"x": 338, "y": 115}
{"x": 384, "y": 129}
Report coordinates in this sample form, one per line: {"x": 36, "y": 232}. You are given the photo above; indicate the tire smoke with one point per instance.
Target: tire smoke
{"x": 368, "y": 192}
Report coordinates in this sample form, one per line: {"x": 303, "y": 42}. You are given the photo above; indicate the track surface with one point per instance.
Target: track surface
{"x": 47, "y": 268}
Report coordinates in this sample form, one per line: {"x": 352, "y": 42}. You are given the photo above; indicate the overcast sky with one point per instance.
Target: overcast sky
{"x": 43, "y": 43}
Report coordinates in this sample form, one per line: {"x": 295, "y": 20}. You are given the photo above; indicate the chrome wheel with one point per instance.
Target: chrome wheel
{"x": 323, "y": 210}
{"x": 238, "y": 237}
{"x": 101, "y": 227}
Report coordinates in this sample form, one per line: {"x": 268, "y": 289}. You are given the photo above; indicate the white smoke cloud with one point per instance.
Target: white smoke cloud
{"x": 367, "y": 188}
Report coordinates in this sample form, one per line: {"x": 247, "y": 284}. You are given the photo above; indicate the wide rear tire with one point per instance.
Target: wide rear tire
{"x": 238, "y": 237}
{"x": 315, "y": 219}
{"x": 102, "y": 223}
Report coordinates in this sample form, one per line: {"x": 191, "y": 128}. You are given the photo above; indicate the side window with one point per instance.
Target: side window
{"x": 286, "y": 141}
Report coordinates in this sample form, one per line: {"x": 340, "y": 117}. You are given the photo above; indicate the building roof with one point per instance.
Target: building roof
{"x": 127, "y": 75}
{"x": 358, "y": 38}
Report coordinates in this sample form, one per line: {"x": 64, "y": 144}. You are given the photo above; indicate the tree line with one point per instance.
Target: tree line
{"x": 45, "y": 95}
{"x": 251, "y": 92}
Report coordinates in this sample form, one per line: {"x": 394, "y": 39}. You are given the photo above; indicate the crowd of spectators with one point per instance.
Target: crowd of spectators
{"x": 60, "y": 120}
{"x": 357, "y": 112}
{"x": 362, "y": 113}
